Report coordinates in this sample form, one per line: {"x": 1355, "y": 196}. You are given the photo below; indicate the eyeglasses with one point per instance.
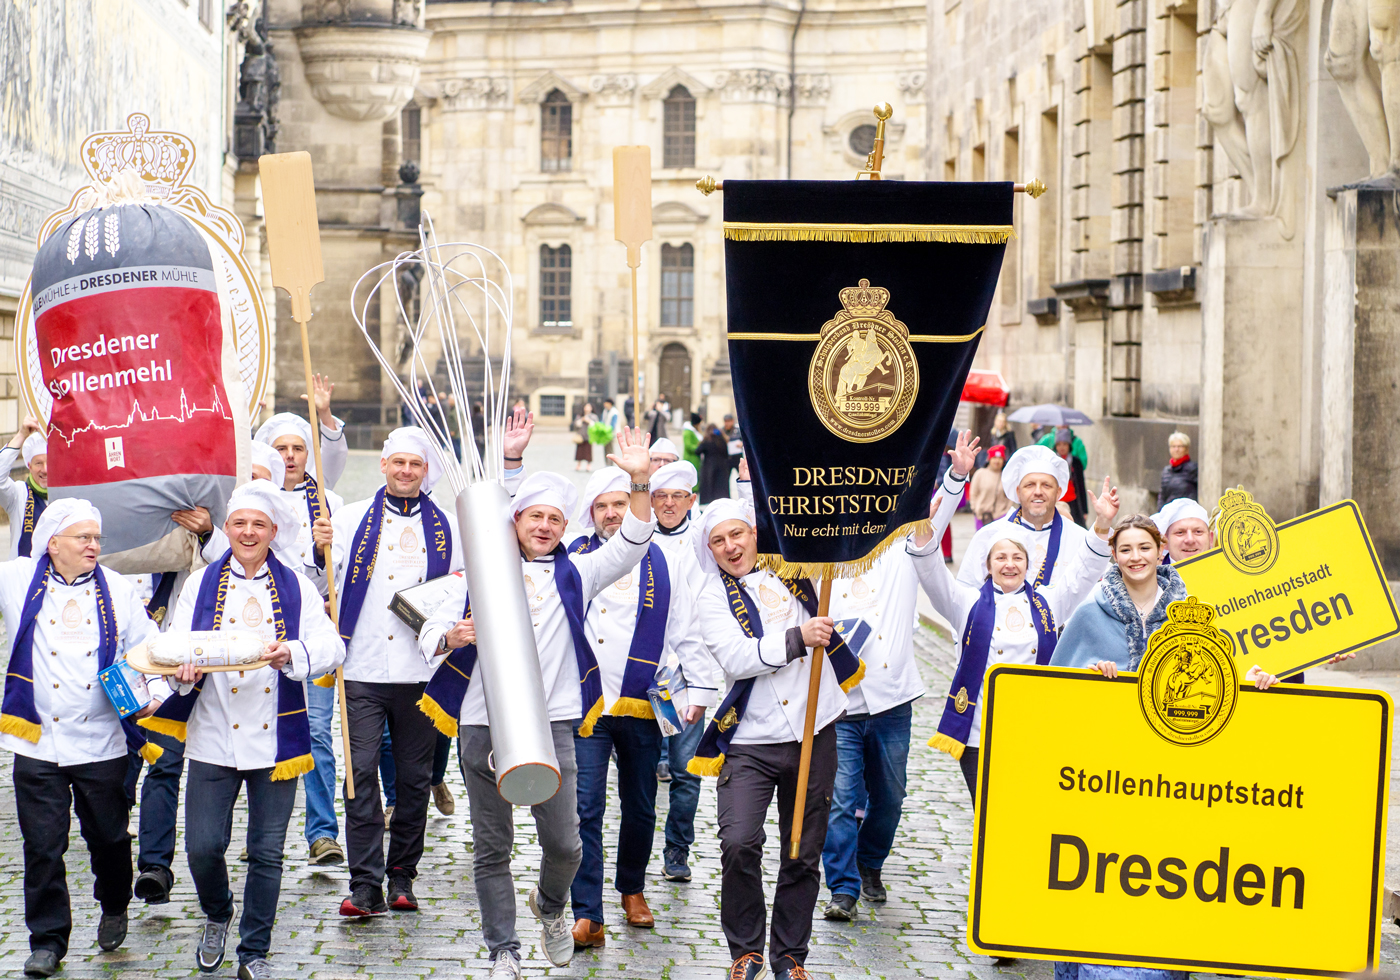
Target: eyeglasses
{"x": 676, "y": 496}
{"x": 86, "y": 539}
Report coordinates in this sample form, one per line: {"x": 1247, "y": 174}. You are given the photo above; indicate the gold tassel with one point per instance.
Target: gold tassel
{"x": 14, "y": 725}
{"x": 757, "y": 231}
{"x": 943, "y": 743}
{"x": 441, "y": 720}
{"x": 151, "y": 752}
{"x": 291, "y": 768}
{"x": 854, "y": 679}
{"x": 841, "y": 569}
{"x": 594, "y": 713}
{"x": 327, "y": 681}
{"x": 632, "y": 708}
{"x": 164, "y": 726}
{"x": 705, "y": 767}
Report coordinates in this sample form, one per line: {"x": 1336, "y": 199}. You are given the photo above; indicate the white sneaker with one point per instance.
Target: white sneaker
{"x": 556, "y": 935}
{"x": 506, "y": 966}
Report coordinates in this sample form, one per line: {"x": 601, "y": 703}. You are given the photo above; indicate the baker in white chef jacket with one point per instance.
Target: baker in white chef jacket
{"x": 69, "y": 745}
{"x": 25, "y": 502}
{"x": 247, "y": 731}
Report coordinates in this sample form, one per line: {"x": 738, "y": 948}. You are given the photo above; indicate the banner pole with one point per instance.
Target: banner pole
{"x": 814, "y": 688}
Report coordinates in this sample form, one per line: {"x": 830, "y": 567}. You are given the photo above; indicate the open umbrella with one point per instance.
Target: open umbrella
{"x": 1056, "y": 415}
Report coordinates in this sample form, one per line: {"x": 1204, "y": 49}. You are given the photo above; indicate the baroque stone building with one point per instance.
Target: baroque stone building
{"x": 510, "y": 112}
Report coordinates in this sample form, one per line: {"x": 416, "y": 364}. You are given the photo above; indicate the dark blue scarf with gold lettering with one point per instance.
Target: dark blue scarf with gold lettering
{"x": 364, "y": 548}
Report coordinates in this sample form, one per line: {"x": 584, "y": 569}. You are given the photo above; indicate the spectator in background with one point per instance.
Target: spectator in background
{"x": 612, "y": 418}
{"x": 1076, "y": 444}
{"x": 734, "y": 439}
{"x": 714, "y": 466}
{"x": 985, "y": 496}
{"x": 657, "y": 418}
{"x": 1179, "y": 475}
{"x": 583, "y": 449}
{"x": 1075, "y": 497}
{"x": 690, "y": 439}
{"x": 1002, "y": 434}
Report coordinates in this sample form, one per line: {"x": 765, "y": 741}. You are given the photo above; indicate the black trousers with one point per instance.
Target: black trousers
{"x": 751, "y": 774}
{"x": 968, "y": 765}
{"x": 414, "y": 738}
{"x": 45, "y": 794}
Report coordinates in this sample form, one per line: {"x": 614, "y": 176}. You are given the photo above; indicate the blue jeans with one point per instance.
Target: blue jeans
{"x": 685, "y": 788}
{"x": 320, "y": 783}
{"x": 638, "y": 744}
{"x": 208, "y": 830}
{"x": 872, "y": 754}
{"x": 160, "y": 795}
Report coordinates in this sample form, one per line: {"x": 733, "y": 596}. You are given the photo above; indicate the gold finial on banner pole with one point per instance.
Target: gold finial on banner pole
{"x": 876, "y": 159}
{"x": 1035, "y": 187}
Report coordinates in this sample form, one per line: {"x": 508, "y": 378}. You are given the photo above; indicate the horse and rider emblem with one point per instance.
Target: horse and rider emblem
{"x": 1246, "y": 533}
{"x": 1187, "y": 681}
{"x": 864, "y": 378}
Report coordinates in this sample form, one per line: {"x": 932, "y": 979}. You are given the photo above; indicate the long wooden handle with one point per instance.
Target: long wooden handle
{"x": 636, "y": 358}
{"x": 814, "y": 690}
{"x": 330, "y": 566}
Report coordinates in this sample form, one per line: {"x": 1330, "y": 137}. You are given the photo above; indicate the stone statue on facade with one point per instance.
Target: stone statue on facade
{"x": 1363, "y": 55}
{"x": 1253, "y": 99}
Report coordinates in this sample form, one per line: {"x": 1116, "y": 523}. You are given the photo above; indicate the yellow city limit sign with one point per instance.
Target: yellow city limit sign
{"x": 1295, "y": 594}
{"x": 1258, "y": 850}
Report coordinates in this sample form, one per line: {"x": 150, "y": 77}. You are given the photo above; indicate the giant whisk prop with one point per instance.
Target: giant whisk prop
{"x": 462, "y": 284}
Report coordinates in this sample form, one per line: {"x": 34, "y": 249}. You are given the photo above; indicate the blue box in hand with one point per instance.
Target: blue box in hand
{"x": 125, "y": 687}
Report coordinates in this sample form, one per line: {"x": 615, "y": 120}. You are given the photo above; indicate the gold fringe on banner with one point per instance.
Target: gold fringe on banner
{"x": 841, "y": 569}
{"x": 705, "y": 767}
{"x": 762, "y": 231}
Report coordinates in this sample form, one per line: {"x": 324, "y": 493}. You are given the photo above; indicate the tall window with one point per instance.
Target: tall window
{"x": 677, "y": 286}
{"x": 556, "y": 133}
{"x": 555, "y": 288}
{"x": 206, "y": 13}
{"x": 679, "y": 128}
{"x": 411, "y": 130}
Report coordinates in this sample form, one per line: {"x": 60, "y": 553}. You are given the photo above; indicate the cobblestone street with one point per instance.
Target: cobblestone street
{"x": 919, "y": 933}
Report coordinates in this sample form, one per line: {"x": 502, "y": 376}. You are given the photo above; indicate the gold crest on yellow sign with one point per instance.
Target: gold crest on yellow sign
{"x": 1246, "y": 533}
{"x": 1187, "y": 682}
{"x": 864, "y": 378}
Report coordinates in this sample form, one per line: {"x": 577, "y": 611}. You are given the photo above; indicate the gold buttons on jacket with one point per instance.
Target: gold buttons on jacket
{"x": 234, "y": 690}
{"x": 264, "y": 726}
{"x": 784, "y": 700}
{"x": 391, "y": 636}
{"x": 235, "y": 724}
{"x": 267, "y": 690}
{"x": 391, "y": 577}
{"x": 55, "y": 686}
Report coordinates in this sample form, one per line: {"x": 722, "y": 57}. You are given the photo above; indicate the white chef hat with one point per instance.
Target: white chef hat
{"x": 679, "y": 475}
{"x": 262, "y": 495}
{"x": 58, "y": 515}
{"x": 265, "y": 456}
{"x": 664, "y": 447}
{"x": 414, "y": 441}
{"x": 287, "y": 424}
{"x": 34, "y": 445}
{"x": 1179, "y": 509}
{"x": 1006, "y": 531}
{"x": 609, "y": 479}
{"x": 724, "y": 509}
{"x": 1033, "y": 459}
{"x": 548, "y": 489}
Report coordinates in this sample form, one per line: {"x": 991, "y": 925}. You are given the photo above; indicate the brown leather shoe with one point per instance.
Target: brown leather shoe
{"x": 637, "y": 912}
{"x": 588, "y": 933}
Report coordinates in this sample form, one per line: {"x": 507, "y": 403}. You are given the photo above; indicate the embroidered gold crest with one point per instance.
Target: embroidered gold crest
{"x": 960, "y": 702}
{"x": 1187, "y": 682}
{"x": 864, "y": 378}
{"x": 1246, "y": 533}
{"x": 730, "y": 719}
{"x": 252, "y": 612}
{"x": 408, "y": 540}
{"x": 72, "y": 615}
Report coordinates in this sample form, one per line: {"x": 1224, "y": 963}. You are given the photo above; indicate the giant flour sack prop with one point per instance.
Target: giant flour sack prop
{"x": 131, "y": 333}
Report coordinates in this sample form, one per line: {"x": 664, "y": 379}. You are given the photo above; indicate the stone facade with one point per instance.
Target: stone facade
{"x": 775, "y": 91}
{"x": 85, "y": 71}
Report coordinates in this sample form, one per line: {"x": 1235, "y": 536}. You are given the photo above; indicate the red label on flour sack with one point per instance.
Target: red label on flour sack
{"x": 129, "y": 330}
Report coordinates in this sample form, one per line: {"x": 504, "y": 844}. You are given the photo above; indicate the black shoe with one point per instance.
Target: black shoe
{"x": 750, "y": 966}
{"x": 401, "y": 897}
{"x": 871, "y": 890}
{"x": 153, "y": 885}
{"x": 364, "y": 900}
{"x": 675, "y": 864}
{"x": 794, "y": 971}
{"x": 111, "y": 930}
{"x": 841, "y": 908}
{"x": 41, "y": 963}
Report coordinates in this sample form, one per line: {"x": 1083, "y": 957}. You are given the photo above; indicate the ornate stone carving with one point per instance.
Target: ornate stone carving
{"x": 613, "y": 89}
{"x": 406, "y": 13}
{"x": 1253, "y": 100}
{"x": 475, "y": 93}
{"x": 660, "y": 87}
{"x": 255, "y": 116}
{"x": 913, "y": 87}
{"x": 536, "y": 91}
{"x": 1363, "y": 55}
{"x": 813, "y": 88}
{"x": 752, "y": 85}
{"x": 359, "y": 72}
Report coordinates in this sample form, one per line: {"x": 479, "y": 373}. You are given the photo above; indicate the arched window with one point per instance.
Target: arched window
{"x": 556, "y": 132}
{"x": 679, "y": 128}
{"x": 556, "y": 287}
{"x": 862, "y": 140}
{"x": 677, "y": 286}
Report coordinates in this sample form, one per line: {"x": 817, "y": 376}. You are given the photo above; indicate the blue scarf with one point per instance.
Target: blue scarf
{"x": 442, "y": 699}
{"x": 316, "y": 507}
{"x": 34, "y": 505}
{"x": 649, "y": 634}
{"x": 956, "y": 724}
{"x": 714, "y": 744}
{"x": 293, "y": 728}
{"x": 18, "y": 715}
{"x": 1052, "y": 551}
{"x": 365, "y": 548}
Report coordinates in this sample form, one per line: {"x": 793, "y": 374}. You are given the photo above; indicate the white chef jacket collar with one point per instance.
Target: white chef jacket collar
{"x": 80, "y": 580}
{"x": 680, "y": 528}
